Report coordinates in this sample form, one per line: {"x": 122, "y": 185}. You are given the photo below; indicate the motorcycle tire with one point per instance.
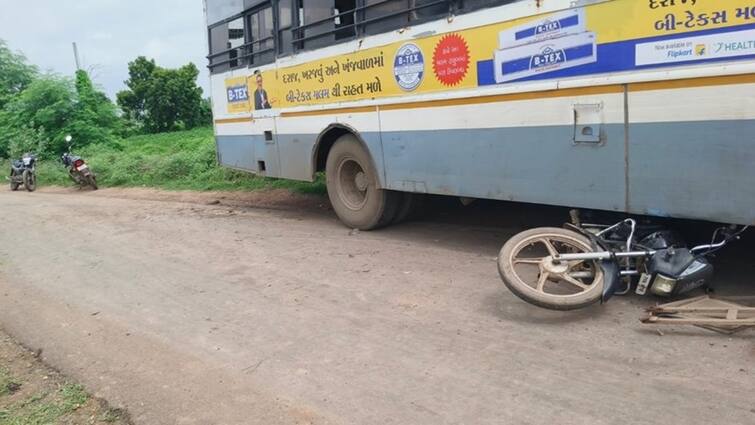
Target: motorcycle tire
{"x": 30, "y": 181}
{"x": 560, "y": 293}
{"x": 14, "y": 186}
{"x": 92, "y": 181}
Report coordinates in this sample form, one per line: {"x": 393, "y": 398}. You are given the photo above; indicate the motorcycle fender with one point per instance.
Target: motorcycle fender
{"x": 611, "y": 279}
{"x": 610, "y": 268}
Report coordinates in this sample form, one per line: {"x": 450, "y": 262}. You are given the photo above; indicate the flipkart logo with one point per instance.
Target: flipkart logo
{"x": 701, "y": 50}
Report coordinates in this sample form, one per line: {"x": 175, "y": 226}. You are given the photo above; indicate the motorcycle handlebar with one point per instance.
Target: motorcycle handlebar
{"x": 708, "y": 248}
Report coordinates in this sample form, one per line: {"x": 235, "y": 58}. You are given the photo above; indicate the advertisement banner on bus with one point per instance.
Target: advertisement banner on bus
{"x": 237, "y": 95}
{"x": 603, "y": 38}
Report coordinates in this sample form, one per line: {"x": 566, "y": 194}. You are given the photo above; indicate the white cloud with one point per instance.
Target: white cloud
{"x": 109, "y": 34}
{"x": 102, "y": 36}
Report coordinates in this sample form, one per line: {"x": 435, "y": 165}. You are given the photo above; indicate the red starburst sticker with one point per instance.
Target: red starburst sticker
{"x": 451, "y": 59}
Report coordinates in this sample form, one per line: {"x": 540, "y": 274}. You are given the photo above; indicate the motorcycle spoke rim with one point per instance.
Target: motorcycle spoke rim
{"x": 554, "y": 279}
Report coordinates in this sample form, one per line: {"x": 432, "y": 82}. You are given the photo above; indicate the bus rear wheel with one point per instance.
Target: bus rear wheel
{"x": 353, "y": 187}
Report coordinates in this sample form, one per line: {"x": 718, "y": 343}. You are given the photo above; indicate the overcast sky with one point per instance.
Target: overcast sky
{"x": 109, "y": 33}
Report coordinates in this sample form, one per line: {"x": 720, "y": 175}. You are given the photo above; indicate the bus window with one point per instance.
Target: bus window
{"x": 226, "y": 45}
{"x": 248, "y": 39}
{"x": 318, "y": 23}
{"x": 261, "y": 33}
{"x": 235, "y": 42}
{"x": 382, "y": 16}
{"x": 285, "y": 23}
{"x": 470, "y": 5}
{"x": 344, "y": 9}
{"x": 423, "y": 10}
{"x": 219, "y": 10}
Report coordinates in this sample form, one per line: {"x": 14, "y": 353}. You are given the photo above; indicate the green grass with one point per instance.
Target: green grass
{"x": 175, "y": 161}
{"x": 45, "y": 408}
{"x": 7, "y": 384}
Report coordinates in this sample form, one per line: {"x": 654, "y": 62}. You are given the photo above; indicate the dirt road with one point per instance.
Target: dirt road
{"x": 193, "y": 313}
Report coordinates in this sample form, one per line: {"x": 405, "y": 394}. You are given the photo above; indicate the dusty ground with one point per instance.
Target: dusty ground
{"x": 183, "y": 310}
{"x": 33, "y": 393}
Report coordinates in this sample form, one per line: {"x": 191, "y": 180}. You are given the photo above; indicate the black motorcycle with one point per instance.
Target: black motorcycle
{"x": 24, "y": 172}
{"x": 79, "y": 171}
{"x": 581, "y": 264}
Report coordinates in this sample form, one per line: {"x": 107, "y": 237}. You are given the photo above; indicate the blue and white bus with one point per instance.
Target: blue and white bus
{"x": 635, "y": 106}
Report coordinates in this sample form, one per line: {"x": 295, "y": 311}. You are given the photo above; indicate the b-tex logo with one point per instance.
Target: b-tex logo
{"x": 547, "y": 26}
{"x": 238, "y": 94}
{"x": 548, "y": 57}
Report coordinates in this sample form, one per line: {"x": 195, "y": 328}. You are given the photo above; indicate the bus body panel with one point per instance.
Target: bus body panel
{"x": 700, "y": 170}
{"x": 692, "y": 151}
{"x": 521, "y": 150}
{"x": 298, "y": 141}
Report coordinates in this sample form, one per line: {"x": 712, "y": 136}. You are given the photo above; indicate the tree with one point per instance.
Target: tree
{"x": 15, "y": 74}
{"x": 132, "y": 101}
{"x": 95, "y": 119}
{"x": 38, "y": 111}
{"x": 162, "y": 99}
{"x": 47, "y": 105}
{"x": 205, "y": 112}
{"x": 52, "y": 107}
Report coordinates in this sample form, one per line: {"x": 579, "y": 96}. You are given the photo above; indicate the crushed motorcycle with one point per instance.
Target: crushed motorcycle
{"x": 581, "y": 264}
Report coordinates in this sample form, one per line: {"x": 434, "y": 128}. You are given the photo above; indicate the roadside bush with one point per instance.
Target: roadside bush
{"x": 175, "y": 161}
{"x": 52, "y": 107}
{"x": 46, "y": 106}
{"x": 24, "y": 139}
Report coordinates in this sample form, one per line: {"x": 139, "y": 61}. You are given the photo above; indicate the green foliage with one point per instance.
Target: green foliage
{"x": 26, "y": 139}
{"x": 15, "y": 74}
{"x": 95, "y": 120}
{"x": 205, "y": 112}
{"x": 133, "y": 100}
{"x": 46, "y": 105}
{"x": 38, "y": 111}
{"x": 160, "y": 99}
{"x": 52, "y": 107}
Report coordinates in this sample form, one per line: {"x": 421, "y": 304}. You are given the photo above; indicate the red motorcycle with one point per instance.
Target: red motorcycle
{"x": 78, "y": 169}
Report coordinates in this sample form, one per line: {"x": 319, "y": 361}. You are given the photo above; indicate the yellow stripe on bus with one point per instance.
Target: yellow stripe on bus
{"x": 234, "y": 120}
{"x": 570, "y": 92}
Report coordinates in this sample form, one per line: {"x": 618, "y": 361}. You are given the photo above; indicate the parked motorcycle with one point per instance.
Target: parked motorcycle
{"x": 576, "y": 266}
{"x": 78, "y": 169}
{"x": 24, "y": 172}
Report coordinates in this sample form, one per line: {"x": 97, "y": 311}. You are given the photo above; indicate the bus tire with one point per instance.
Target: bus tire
{"x": 405, "y": 207}
{"x": 410, "y": 207}
{"x": 353, "y": 188}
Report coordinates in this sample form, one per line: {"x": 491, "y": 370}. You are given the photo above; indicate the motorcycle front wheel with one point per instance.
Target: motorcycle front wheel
{"x": 30, "y": 181}
{"x": 92, "y": 181}
{"x": 527, "y": 268}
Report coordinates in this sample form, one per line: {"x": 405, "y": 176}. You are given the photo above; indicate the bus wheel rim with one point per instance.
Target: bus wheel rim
{"x": 353, "y": 184}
